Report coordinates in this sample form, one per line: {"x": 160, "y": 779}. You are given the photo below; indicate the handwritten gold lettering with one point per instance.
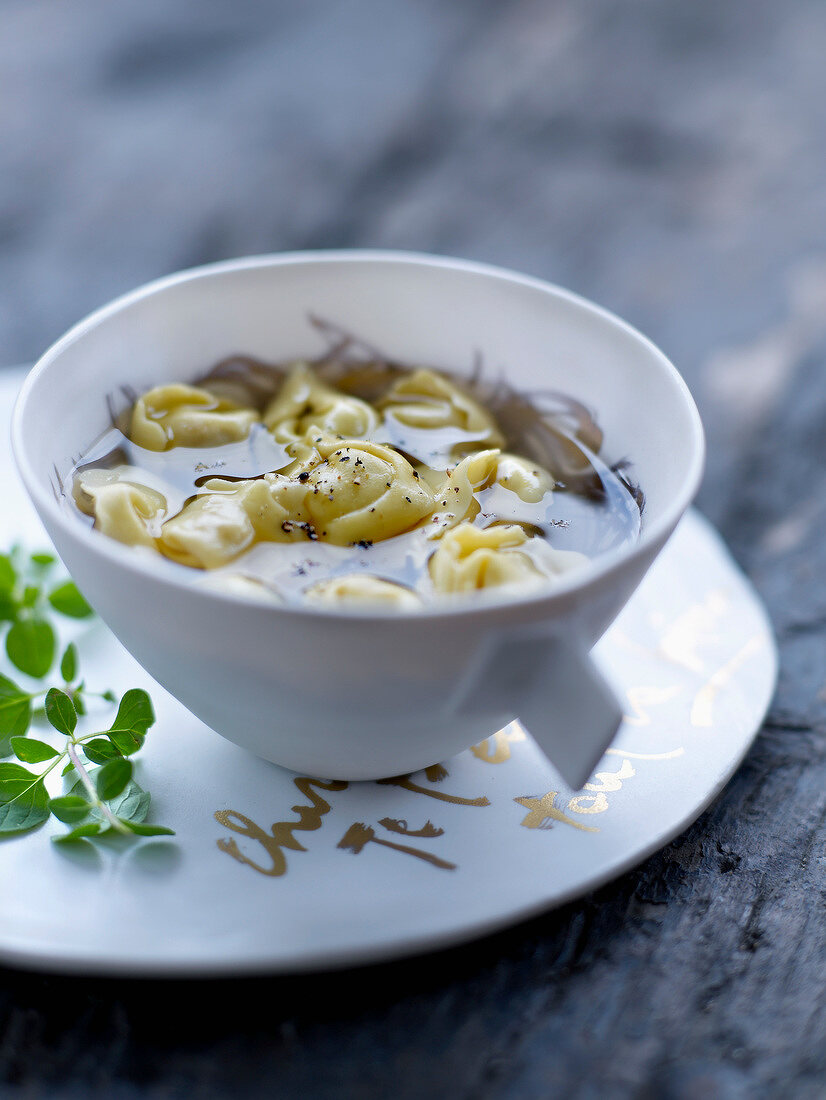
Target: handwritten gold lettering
{"x": 588, "y": 803}
{"x": 407, "y": 784}
{"x": 281, "y": 833}
{"x": 543, "y": 813}
{"x": 497, "y": 749}
{"x": 611, "y": 781}
{"x": 395, "y": 825}
{"x": 702, "y": 710}
{"x": 436, "y": 773}
{"x": 359, "y": 835}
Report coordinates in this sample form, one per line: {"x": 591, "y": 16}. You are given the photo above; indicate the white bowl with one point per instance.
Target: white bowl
{"x": 346, "y": 693}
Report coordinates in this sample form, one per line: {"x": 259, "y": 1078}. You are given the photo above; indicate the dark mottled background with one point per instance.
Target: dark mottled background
{"x": 664, "y": 158}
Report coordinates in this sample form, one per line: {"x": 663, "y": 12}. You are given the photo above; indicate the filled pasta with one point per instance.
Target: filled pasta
{"x": 187, "y": 416}
{"x": 330, "y": 499}
{"x": 305, "y": 402}
{"x": 123, "y": 509}
{"x": 426, "y": 400}
{"x": 469, "y": 557}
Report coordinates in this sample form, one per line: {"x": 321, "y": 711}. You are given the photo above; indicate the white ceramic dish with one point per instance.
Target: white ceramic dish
{"x": 364, "y": 695}
{"x": 691, "y": 658}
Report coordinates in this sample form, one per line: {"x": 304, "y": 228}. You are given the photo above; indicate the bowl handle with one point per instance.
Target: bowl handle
{"x": 553, "y": 686}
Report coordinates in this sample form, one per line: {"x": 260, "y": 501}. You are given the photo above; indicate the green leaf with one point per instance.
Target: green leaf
{"x": 110, "y": 696}
{"x": 70, "y": 808}
{"x": 68, "y": 663}
{"x": 31, "y": 751}
{"x": 15, "y": 709}
{"x": 77, "y": 699}
{"x": 43, "y": 557}
{"x": 30, "y": 595}
{"x": 30, "y": 644}
{"x": 100, "y": 750}
{"x": 60, "y": 711}
{"x": 26, "y": 811}
{"x": 126, "y": 743}
{"x": 66, "y": 599}
{"x": 8, "y": 574}
{"x": 14, "y": 780}
{"x": 8, "y": 607}
{"x": 147, "y": 830}
{"x": 131, "y": 805}
{"x": 135, "y": 713}
{"x": 89, "y": 828}
{"x": 112, "y": 779}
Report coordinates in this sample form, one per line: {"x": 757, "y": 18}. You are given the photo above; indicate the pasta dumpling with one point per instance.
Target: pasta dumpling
{"x": 305, "y": 402}
{"x": 361, "y": 492}
{"x": 187, "y": 416}
{"x": 471, "y": 557}
{"x": 225, "y": 520}
{"x": 123, "y": 509}
{"x": 360, "y": 588}
{"x": 279, "y": 479}
{"x": 427, "y": 400}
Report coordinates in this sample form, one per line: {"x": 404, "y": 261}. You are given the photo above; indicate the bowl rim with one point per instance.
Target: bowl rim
{"x": 472, "y": 605}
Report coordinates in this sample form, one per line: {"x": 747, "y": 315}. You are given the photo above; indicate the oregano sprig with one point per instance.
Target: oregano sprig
{"x": 104, "y": 798}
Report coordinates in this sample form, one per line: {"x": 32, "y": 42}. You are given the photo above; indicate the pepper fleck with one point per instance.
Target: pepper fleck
{"x": 303, "y": 476}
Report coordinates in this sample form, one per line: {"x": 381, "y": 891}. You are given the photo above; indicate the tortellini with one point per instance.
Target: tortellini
{"x": 355, "y": 493}
{"x": 360, "y": 588}
{"x": 363, "y": 492}
{"x": 328, "y": 512}
{"x": 305, "y": 402}
{"x": 427, "y": 400}
{"x": 122, "y": 509}
{"x": 471, "y": 557}
{"x": 187, "y": 416}
{"x": 225, "y": 520}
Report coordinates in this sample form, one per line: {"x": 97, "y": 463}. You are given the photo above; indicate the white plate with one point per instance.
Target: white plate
{"x": 692, "y": 656}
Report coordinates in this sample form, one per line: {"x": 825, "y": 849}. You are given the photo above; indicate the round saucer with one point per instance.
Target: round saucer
{"x": 270, "y": 871}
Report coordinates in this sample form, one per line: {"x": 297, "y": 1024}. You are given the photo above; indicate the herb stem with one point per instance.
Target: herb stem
{"x": 86, "y": 780}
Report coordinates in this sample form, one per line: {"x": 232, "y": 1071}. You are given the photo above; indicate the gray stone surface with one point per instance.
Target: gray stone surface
{"x": 664, "y": 158}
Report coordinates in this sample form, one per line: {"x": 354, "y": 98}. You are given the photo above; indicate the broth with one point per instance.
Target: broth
{"x": 592, "y": 509}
